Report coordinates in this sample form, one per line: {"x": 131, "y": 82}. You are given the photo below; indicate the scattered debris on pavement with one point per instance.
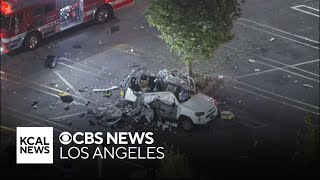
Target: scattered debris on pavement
{"x": 66, "y": 107}
{"x": 53, "y": 85}
{"x": 307, "y": 85}
{"x": 34, "y": 103}
{"x": 105, "y": 90}
{"x": 114, "y": 29}
{"x": 91, "y": 112}
{"x": 110, "y": 124}
{"x": 166, "y": 125}
{"x": 82, "y": 115}
{"x": 51, "y": 106}
{"x": 102, "y": 110}
{"x": 107, "y": 94}
{"x": 65, "y": 97}
{"x": 116, "y": 114}
{"x": 151, "y": 100}
{"x": 85, "y": 89}
{"x": 227, "y": 115}
{"x": 50, "y": 61}
{"x": 87, "y": 104}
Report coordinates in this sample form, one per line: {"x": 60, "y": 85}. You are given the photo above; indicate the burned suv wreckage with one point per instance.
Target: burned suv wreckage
{"x": 168, "y": 95}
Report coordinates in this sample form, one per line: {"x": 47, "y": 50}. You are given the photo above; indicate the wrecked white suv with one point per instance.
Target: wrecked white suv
{"x": 171, "y": 96}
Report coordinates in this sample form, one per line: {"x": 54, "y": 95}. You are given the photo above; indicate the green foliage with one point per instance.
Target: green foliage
{"x": 174, "y": 165}
{"x": 227, "y": 59}
{"x": 308, "y": 141}
{"x": 308, "y": 148}
{"x": 194, "y": 29}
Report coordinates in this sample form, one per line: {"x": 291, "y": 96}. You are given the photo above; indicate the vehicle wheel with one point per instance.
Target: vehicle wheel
{"x": 219, "y": 114}
{"x": 32, "y": 41}
{"x": 186, "y": 124}
{"x": 103, "y": 14}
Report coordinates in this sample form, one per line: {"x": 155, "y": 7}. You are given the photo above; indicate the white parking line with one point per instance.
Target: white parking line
{"x": 128, "y": 49}
{"x": 28, "y": 120}
{"x": 81, "y": 70}
{"x": 36, "y": 89}
{"x": 67, "y": 83}
{"x": 128, "y": 52}
{"x": 283, "y": 37}
{"x": 93, "y": 68}
{"x": 298, "y": 8}
{"x": 275, "y": 69}
{"x": 281, "y": 102}
{"x": 247, "y": 123}
{"x": 80, "y": 64}
{"x": 66, "y": 116}
{"x": 33, "y": 88}
{"x": 41, "y": 85}
{"x": 36, "y": 117}
{"x": 279, "y": 68}
{"x": 279, "y": 30}
{"x": 277, "y": 95}
{"x": 268, "y": 59}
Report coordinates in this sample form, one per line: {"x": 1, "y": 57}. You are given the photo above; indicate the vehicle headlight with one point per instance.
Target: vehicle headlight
{"x": 198, "y": 114}
{"x": 2, "y": 48}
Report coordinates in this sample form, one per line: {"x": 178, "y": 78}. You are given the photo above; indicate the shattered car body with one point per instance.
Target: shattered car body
{"x": 170, "y": 95}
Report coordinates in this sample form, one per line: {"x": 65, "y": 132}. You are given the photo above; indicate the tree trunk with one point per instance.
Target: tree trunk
{"x": 189, "y": 68}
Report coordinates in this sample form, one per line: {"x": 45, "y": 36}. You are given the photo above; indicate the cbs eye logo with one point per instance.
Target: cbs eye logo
{"x": 65, "y": 138}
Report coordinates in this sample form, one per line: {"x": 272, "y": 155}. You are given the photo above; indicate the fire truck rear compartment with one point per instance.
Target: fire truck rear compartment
{"x": 71, "y": 14}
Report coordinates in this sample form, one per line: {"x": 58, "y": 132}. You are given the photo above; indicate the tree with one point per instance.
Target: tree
{"x": 194, "y": 29}
{"x": 175, "y": 165}
{"x": 307, "y": 156}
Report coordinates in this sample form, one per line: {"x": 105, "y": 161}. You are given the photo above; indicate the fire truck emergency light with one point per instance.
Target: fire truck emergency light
{"x": 6, "y": 8}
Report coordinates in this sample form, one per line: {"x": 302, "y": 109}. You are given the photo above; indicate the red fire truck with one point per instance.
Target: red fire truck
{"x": 24, "y": 23}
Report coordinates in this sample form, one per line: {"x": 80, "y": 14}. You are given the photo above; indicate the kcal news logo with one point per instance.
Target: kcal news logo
{"x": 34, "y": 145}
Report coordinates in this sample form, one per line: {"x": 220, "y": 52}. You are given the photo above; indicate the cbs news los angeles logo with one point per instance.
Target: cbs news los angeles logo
{"x": 34, "y": 145}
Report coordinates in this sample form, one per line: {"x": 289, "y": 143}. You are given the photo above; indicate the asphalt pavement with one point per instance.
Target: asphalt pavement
{"x": 273, "y": 64}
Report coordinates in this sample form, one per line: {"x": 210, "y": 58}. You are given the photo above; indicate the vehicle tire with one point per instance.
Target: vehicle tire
{"x": 32, "y": 41}
{"x": 219, "y": 114}
{"x": 103, "y": 14}
{"x": 186, "y": 124}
